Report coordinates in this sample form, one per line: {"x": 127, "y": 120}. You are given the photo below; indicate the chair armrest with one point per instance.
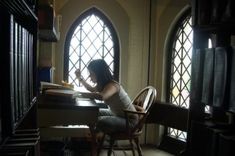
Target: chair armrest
{"x": 134, "y": 112}
{"x": 141, "y": 116}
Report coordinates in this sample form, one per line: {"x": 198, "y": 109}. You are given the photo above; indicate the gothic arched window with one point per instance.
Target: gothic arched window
{"x": 91, "y": 36}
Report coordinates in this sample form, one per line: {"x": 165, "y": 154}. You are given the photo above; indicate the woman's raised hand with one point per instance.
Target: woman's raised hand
{"x": 78, "y": 73}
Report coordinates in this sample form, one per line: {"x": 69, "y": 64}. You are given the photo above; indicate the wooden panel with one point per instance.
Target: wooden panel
{"x": 64, "y": 118}
{"x": 66, "y": 131}
{"x": 53, "y": 117}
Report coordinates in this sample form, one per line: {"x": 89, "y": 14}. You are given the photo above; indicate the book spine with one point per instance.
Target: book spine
{"x": 220, "y": 76}
{"x": 197, "y": 74}
{"x": 232, "y": 81}
{"x": 203, "y": 13}
{"x": 24, "y": 106}
{"x": 16, "y": 71}
{"x": 31, "y": 66}
{"x": 27, "y": 68}
{"x": 12, "y": 92}
{"x": 208, "y": 77}
{"x": 20, "y": 69}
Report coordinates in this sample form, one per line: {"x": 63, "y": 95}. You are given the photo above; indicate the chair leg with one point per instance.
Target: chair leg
{"x": 111, "y": 143}
{"x": 100, "y": 144}
{"x": 138, "y": 146}
{"x": 132, "y": 147}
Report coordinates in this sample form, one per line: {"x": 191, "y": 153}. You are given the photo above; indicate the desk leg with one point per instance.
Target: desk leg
{"x": 93, "y": 141}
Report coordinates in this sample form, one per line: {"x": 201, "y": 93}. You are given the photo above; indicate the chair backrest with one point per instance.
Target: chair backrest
{"x": 143, "y": 101}
{"x": 145, "y": 98}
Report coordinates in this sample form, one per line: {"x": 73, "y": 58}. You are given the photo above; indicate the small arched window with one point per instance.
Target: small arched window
{"x": 91, "y": 36}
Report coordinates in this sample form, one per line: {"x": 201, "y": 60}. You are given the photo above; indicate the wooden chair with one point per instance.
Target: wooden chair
{"x": 142, "y": 102}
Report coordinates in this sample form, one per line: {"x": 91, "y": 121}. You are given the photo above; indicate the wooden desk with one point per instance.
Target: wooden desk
{"x": 54, "y": 117}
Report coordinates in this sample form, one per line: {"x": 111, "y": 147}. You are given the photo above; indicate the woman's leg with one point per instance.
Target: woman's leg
{"x": 109, "y": 124}
{"x": 105, "y": 112}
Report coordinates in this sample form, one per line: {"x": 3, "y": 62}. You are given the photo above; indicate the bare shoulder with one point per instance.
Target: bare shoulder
{"x": 112, "y": 86}
{"x": 110, "y": 89}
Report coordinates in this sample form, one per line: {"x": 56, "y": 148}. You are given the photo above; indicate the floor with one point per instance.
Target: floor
{"x": 147, "y": 151}
{"x": 80, "y": 149}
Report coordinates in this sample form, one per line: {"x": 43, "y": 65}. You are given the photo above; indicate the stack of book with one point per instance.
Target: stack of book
{"x": 57, "y": 92}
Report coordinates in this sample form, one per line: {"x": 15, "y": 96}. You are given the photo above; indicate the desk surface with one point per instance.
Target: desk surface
{"x": 78, "y": 103}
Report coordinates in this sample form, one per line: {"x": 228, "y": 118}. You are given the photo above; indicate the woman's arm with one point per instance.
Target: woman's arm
{"x": 84, "y": 83}
{"x": 109, "y": 90}
{"x": 92, "y": 95}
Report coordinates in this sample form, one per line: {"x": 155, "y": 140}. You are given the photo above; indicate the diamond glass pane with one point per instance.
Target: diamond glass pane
{"x": 178, "y": 134}
{"x": 181, "y": 71}
{"x": 90, "y": 40}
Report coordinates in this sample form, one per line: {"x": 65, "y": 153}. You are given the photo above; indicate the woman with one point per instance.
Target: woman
{"x": 112, "y": 93}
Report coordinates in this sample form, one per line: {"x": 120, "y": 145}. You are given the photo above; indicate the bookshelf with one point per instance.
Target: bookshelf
{"x": 18, "y": 109}
{"x": 212, "y": 133}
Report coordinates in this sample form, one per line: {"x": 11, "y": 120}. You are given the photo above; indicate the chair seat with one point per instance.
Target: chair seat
{"x": 124, "y": 135}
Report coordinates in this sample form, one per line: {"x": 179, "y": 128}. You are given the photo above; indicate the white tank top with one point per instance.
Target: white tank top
{"x": 120, "y": 101}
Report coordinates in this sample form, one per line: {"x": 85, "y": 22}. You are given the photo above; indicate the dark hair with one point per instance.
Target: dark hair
{"x": 102, "y": 72}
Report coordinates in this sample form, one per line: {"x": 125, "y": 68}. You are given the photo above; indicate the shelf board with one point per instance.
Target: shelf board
{"x": 19, "y": 8}
{"x": 48, "y": 35}
{"x": 215, "y": 28}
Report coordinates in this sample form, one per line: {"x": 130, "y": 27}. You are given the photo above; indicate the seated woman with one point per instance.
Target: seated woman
{"x": 112, "y": 93}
